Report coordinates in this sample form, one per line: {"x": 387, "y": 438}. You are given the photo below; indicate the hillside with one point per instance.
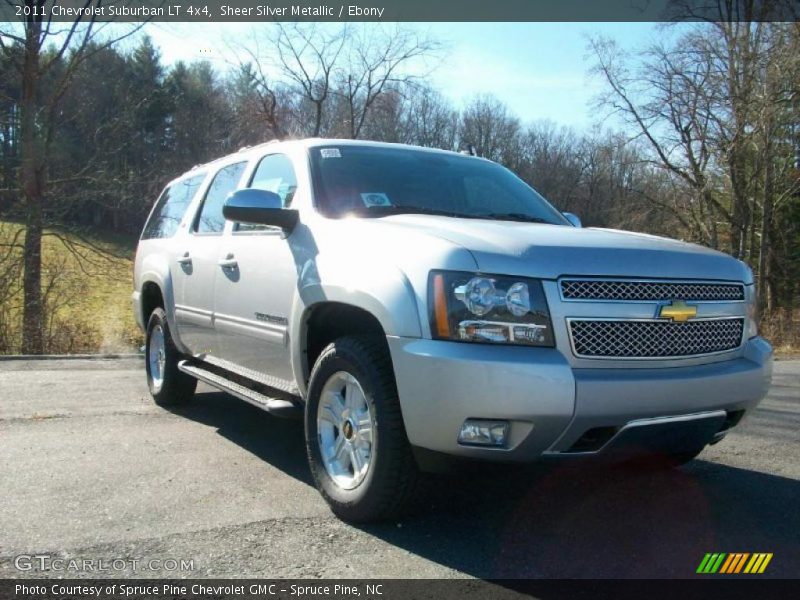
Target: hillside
{"x": 87, "y": 283}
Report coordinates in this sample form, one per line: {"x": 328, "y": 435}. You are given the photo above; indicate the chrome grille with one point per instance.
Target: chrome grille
{"x": 654, "y": 339}
{"x": 597, "y": 289}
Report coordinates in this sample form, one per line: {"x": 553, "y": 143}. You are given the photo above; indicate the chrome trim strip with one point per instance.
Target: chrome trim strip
{"x": 666, "y": 299}
{"x": 266, "y": 326}
{"x": 645, "y": 358}
{"x": 193, "y": 310}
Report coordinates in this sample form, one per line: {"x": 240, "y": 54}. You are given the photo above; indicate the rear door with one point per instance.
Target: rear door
{"x": 253, "y": 295}
{"x": 166, "y": 228}
{"x": 198, "y": 259}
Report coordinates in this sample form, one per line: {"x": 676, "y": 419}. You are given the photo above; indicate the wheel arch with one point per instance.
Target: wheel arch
{"x": 335, "y": 312}
{"x": 156, "y": 291}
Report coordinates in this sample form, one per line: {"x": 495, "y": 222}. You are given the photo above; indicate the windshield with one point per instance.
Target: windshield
{"x": 373, "y": 182}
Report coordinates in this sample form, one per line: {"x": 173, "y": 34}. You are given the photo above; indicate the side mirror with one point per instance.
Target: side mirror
{"x": 258, "y": 207}
{"x": 573, "y": 219}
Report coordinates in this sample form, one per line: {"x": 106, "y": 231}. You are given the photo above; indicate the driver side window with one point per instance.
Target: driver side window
{"x": 273, "y": 174}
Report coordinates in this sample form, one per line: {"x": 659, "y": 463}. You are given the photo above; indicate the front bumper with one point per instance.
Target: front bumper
{"x": 551, "y": 406}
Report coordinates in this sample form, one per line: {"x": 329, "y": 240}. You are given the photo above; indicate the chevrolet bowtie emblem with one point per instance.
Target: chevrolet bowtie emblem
{"x": 678, "y": 310}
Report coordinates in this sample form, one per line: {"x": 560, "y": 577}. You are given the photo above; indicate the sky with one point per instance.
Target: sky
{"x": 540, "y": 70}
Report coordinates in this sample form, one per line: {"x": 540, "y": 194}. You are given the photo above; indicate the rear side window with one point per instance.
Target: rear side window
{"x": 170, "y": 208}
{"x": 225, "y": 181}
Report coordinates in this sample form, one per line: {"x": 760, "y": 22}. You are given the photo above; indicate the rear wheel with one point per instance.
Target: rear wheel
{"x": 168, "y": 385}
{"x": 356, "y": 442}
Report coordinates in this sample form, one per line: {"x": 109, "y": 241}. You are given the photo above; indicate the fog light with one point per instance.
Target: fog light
{"x": 481, "y": 432}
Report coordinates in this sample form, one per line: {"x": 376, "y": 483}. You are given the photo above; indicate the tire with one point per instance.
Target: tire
{"x": 387, "y": 488}
{"x": 168, "y": 385}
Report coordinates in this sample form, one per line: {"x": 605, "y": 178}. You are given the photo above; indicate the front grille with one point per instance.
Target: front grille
{"x": 654, "y": 339}
{"x": 597, "y": 289}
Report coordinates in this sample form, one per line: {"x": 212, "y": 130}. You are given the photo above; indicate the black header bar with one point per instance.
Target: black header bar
{"x": 210, "y": 11}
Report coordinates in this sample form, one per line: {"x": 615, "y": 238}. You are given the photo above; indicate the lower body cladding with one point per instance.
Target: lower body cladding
{"x": 541, "y": 406}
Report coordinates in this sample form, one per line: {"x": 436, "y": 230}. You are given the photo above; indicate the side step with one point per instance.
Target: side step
{"x": 279, "y": 407}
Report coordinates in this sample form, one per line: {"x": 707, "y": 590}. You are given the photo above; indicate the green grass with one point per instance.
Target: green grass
{"x": 90, "y": 279}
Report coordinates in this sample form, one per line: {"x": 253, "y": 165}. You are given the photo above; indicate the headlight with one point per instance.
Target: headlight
{"x": 488, "y": 308}
{"x": 752, "y": 312}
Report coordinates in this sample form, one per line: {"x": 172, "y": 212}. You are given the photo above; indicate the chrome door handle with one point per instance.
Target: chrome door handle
{"x": 186, "y": 259}
{"x": 229, "y": 262}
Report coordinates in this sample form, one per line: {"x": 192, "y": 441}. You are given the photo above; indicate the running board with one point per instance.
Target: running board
{"x": 274, "y": 406}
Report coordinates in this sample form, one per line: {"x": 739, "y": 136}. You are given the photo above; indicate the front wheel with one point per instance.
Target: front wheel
{"x": 356, "y": 442}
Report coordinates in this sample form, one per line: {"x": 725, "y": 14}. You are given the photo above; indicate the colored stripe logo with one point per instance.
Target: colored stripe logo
{"x": 734, "y": 563}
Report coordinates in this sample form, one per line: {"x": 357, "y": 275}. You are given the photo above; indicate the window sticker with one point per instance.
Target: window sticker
{"x": 375, "y": 199}
{"x": 330, "y": 153}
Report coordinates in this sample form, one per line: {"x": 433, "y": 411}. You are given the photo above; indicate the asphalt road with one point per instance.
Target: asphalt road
{"x": 91, "y": 470}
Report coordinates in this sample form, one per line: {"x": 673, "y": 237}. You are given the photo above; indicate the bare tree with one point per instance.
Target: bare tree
{"x": 488, "y": 126}
{"x": 429, "y": 119}
{"x": 667, "y": 103}
{"x": 307, "y": 55}
{"x": 377, "y": 62}
{"x": 45, "y": 55}
{"x": 337, "y": 73}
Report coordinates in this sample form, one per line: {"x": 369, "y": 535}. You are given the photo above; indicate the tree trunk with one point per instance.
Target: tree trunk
{"x": 33, "y": 313}
{"x": 32, "y": 188}
{"x": 766, "y": 219}
{"x": 317, "y": 118}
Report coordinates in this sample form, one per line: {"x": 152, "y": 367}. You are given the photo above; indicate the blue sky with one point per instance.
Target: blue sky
{"x": 540, "y": 70}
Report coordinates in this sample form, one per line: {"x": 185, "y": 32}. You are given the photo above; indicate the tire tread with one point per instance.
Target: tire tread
{"x": 400, "y": 480}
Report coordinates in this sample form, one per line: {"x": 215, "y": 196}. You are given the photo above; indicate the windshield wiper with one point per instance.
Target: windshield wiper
{"x": 514, "y": 217}
{"x": 408, "y": 209}
{"x": 401, "y": 209}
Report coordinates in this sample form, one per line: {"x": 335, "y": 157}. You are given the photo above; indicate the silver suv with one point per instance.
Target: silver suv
{"x": 411, "y": 304}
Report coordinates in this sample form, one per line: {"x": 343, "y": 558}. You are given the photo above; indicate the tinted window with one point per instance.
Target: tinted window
{"x": 225, "y": 181}
{"x": 170, "y": 208}
{"x": 375, "y": 181}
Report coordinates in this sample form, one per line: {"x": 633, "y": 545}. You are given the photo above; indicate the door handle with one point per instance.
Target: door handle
{"x": 186, "y": 259}
{"x": 229, "y": 262}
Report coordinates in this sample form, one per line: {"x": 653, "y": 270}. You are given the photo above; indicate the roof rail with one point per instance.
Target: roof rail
{"x": 272, "y": 141}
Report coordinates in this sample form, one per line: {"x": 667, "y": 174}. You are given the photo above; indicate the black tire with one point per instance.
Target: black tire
{"x": 176, "y": 387}
{"x": 391, "y": 484}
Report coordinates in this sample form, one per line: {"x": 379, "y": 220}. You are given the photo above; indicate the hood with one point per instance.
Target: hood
{"x": 552, "y": 251}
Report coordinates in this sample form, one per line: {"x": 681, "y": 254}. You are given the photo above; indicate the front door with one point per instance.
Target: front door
{"x": 254, "y": 292}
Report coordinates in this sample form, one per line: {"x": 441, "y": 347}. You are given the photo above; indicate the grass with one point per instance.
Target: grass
{"x": 88, "y": 282}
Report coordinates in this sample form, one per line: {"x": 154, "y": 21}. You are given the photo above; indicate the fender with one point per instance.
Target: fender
{"x": 385, "y": 293}
{"x": 154, "y": 269}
